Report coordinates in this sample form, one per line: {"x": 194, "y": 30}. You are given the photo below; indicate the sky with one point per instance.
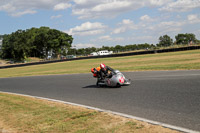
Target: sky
{"x": 97, "y": 23}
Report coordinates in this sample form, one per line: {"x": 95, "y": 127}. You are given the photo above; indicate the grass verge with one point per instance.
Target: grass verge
{"x": 19, "y": 114}
{"x": 185, "y": 60}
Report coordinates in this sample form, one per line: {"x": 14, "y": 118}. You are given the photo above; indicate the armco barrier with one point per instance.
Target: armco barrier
{"x": 107, "y": 56}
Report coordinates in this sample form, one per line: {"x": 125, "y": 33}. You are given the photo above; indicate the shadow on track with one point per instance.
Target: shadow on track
{"x": 102, "y": 87}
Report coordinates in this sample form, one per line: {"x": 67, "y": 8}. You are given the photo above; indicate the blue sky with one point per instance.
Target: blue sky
{"x": 104, "y": 22}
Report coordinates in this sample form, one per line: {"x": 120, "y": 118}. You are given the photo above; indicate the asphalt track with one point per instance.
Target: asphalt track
{"x": 171, "y": 97}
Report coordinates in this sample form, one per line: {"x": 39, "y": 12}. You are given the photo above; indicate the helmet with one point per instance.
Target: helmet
{"x": 102, "y": 66}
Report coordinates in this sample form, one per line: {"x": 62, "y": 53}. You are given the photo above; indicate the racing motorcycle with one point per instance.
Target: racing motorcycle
{"x": 115, "y": 79}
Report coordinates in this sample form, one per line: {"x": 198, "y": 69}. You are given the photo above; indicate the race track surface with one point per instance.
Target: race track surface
{"x": 171, "y": 97}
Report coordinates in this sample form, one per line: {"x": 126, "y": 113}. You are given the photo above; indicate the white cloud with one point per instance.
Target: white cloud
{"x": 167, "y": 27}
{"x": 193, "y": 18}
{"x": 86, "y": 2}
{"x": 110, "y": 8}
{"x": 55, "y": 17}
{"x": 85, "y": 9}
{"x": 62, "y": 6}
{"x": 125, "y": 25}
{"x": 181, "y": 6}
{"x": 108, "y": 38}
{"x": 17, "y": 14}
{"x": 119, "y": 30}
{"x": 22, "y": 7}
{"x": 168, "y": 24}
{"x": 88, "y": 28}
{"x": 146, "y": 18}
{"x": 84, "y": 45}
{"x": 158, "y": 2}
{"x": 127, "y": 22}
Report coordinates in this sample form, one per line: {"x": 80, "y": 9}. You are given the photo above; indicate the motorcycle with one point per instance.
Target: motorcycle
{"x": 115, "y": 79}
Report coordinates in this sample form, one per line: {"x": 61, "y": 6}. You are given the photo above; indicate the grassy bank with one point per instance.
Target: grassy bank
{"x": 20, "y": 114}
{"x": 185, "y": 60}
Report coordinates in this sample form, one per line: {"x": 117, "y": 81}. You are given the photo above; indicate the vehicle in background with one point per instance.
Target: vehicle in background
{"x": 103, "y": 52}
{"x": 70, "y": 56}
{"x": 94, "y": 54}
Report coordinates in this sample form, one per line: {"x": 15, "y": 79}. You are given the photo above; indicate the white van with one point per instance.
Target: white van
{"x": 104, "y": 52}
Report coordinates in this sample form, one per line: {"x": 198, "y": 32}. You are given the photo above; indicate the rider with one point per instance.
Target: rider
{"x": 104, "y": 71}
{"x": 96, "y": 72}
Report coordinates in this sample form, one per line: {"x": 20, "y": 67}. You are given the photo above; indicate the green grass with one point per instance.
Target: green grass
{"x": 185, "y": 60}
{"x": 25, "y": 114}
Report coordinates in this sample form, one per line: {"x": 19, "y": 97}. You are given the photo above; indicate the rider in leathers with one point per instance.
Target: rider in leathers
{"x": 104, "y": 72}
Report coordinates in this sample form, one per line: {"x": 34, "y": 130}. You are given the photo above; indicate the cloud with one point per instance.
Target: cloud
{"x": 166, "y": 27}
{"x": 17, "y": 14}
{"x": 22, "y": 7}
{"x": 168, "y": 24}
{"x": 55, "y": 17}
{"x": 142, "y": 39}
{"x": 85, "y": 9}
{"x": 108, "y": 38}
{"x": 181, "y": 6}
{"x": 126, "y": 22}
{"x": 146, "y": 18}
{"x": 158, "y": 2}
{"x": 119, "y": 30}
{"x": 110, "y": 8}
{"x": 193, "y": 18}
{"x": 88, "y": 28}
{"x": 62, "y": 6}
{"x": 125, "y": 25}
{"x": 84, "y": 45}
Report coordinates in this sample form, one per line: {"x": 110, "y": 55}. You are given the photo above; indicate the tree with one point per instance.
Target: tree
{"x": 1, "y": 37}
{"x": 37, "y": 42}
{"x": 185, "y": 38}
{"x": 105, "y": 48}
{"x": 165, "y": 41}
{"x": 14, "y": 46}
{"x": 144, "y": 46}
{"x": 118, "y": 48}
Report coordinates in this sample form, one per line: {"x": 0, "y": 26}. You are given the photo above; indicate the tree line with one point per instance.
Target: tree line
{"x": 164, "y": 41}
{"x": 42, "y": 42}
{"x": 115, "y": 49}
{"x": 35, "y": 42}
{"x": 188, "y": 38}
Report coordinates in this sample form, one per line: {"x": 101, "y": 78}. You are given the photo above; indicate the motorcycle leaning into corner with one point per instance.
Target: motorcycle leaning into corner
{"x": 114, "y": 79}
